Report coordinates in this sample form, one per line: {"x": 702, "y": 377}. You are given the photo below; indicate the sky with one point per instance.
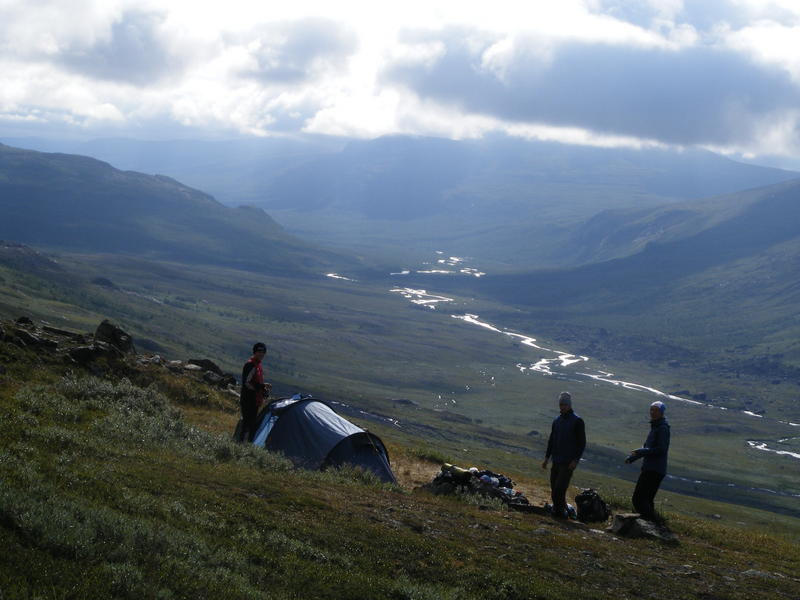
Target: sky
{"x": 717, "y": 74}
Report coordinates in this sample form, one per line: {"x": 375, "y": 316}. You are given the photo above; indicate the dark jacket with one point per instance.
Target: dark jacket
{"x": 567, "y": 439}
{"x": 655, "y": 447}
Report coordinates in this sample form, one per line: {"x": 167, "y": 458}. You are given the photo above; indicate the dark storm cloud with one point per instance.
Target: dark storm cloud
{"x": 294, "y": 52}
{"x": 136, "y": 52}
{"x": 695, "y": 95}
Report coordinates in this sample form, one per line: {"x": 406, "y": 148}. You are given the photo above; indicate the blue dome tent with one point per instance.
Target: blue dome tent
{"x": 312, "y": 435}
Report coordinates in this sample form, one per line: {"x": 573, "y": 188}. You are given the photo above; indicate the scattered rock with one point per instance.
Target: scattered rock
{"x": 687, "y": 571}
{"x": 212, "y": 378}
{"x": 532, "y": 432}
{"x": 112, "y": 334}
{"x": 78, "y": 337}
{"x": 190, "y": 367}
{"x": 633, "y": 526}
{"x": 760, "y": 574}
{"x": 700, "y": 397}
{"x": 207, "y": 365}
{"x": 27, "y": 338}
{"x": 84, "y": 355}
{"x": 2, "y": 333}
{"x": 24, "y": 321}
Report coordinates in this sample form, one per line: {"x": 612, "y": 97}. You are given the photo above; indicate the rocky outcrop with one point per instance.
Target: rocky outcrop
{"x": 110, "y": 333}
{"x": 84, "y": 355}
{"x": 632, "y": 525}
{"x": 206, "y": 365}
{"x": 109, "y": 344}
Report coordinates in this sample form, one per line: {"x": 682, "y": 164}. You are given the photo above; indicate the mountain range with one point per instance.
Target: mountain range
{"x": 508, "y": 203}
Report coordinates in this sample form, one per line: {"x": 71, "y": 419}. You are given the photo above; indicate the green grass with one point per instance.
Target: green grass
{"x": 108, "y": 491}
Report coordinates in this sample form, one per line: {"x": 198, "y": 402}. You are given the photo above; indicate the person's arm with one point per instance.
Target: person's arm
{"x": 549, "y": 450}
{"x": 580, "y": 442}
{"x": 659, "y": 446}
{"x": 249, "y": 377}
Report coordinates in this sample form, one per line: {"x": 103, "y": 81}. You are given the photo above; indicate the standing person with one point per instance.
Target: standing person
{"x": 254, "y": 390}
{"x": 654, "y": 465}
{"x": 565, "y": 445}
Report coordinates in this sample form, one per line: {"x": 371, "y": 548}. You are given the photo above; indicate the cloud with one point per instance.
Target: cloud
{"x": 691, "y": 95}
{"x": 294, "y": 52}
{"x": 723, "y": 74}
{"x": 135, "y": 50}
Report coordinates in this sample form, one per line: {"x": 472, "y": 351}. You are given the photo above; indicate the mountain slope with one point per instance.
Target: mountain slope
{"x": 724, "y": 277}
{"x": 129, "y": 486}
{"x": 81, "y": 204}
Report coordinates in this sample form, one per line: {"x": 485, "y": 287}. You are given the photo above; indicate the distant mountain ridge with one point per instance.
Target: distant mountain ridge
{"x": 498, "y": 199}
{"x": 81, "y": 204}
{"x": 722, "y": 276}
{"x": 505, "y": 201}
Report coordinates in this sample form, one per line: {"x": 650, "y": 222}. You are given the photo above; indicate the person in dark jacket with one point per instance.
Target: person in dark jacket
{"x": 254, "y": 391}
{"x": 565, "y": 446}
{"x": 654, "y": 465}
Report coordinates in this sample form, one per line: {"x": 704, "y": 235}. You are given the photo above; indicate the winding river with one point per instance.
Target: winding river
{"x": 561, "y": 364}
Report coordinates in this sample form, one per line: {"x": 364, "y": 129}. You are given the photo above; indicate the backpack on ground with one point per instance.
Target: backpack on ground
{"x": 591, "y": 507}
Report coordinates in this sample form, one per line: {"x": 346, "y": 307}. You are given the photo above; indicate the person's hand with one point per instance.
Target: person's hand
{"x": 544, "y": 463}
{"x": 572, "y": 465}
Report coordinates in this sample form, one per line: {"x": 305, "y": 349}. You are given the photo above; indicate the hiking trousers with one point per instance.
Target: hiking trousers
{"x": 560, "y": 476}
{"x": 645, "y": 493}
{"x": 249, "y": 418}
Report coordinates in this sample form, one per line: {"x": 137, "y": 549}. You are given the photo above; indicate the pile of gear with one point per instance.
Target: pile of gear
{"x": 452, "y": 479}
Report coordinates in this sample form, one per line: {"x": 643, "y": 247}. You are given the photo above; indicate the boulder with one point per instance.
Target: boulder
{"x": 221, "y": 381}
{"x": 84, "y": 355}
{"x": 112, "y": 334}
{"x": 78, "y": 337}
{"x": 632, "y": 525}
{"x": 212, "y": 378}
{"x": 26, "y": 337}
{"x": 24, "y": 321}
{"x": 207, "y": 365}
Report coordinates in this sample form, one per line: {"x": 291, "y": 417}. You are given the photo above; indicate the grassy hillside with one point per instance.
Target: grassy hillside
{"x": 444, "y": 381}
{"x": 128, "y": 486}
{"x": 79, "y": 203}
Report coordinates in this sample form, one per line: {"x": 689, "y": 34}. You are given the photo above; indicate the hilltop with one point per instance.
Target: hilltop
{"x": 80, "y": 204}
{"x": 120, "y": 480}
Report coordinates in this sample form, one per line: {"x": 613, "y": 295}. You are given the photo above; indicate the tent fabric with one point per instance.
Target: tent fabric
{"x": 363, "y": 449}
{"x": 313, "y": 436}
